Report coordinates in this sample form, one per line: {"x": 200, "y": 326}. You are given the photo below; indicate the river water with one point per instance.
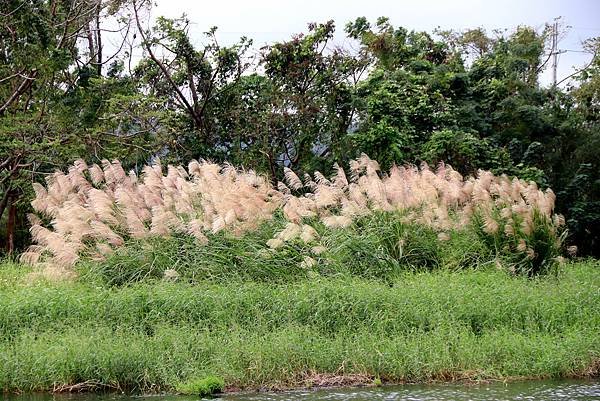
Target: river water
{"x": 575, "y": 390}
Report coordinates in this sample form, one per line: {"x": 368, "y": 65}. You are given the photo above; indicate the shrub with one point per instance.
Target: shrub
{"x": 207, "y": 386}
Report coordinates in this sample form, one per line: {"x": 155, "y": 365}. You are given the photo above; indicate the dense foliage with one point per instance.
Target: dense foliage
{"x": 157, "y": 336}
{"x": 467, "y": 98}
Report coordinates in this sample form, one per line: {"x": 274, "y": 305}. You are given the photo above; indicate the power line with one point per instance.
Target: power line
{"x": 586, "y": 29}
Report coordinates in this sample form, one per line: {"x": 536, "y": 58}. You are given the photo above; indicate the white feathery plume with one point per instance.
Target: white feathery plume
{"x": 118, "y": 172}
{"x": 230, "y": 217}
{"x": 33, "y": 219}
{"x": 40, "y": 202}
{"x": 102, "y": 206}
{"x": 321, "y": 179}
{"x": 77, "y": 179}
{"x": 290, "y": 232}
{"x": 293, "y": 181}
{"x": 109, "y": 176}
{"x": 274, "y": 243}
{"x": 97, "y": 174}
{"x": 509, "y": 230}
{"x": 281, "y": 187}
{"x": 195, "y": 228}
{"x": 103, "y": 232}
{"x": 133, "y": 178}
{"x": 218, "y": 224}
{"x": 326, "y": 196}
{"x": 355, "y": 169}
{"x": 339, "y": 178}
{"x": 164, "y": 221}
{"x": 558, "y": 220}
{"x": 337, "y": 221}
{"x": 80, "y": 165}
{"x": 357, "y": 195}
{"x": 308, "y": 234}
{"x": 135, "y": 226}
{"x": 490, "y": 225}
{"x": 291, "y": 213}
{"x": 32, "y": 255}
{"x": 209, "y": 197}
{"x": 307, "y": 262}
{"x": 309, "y": 183}
{"x": 443, "y": 236}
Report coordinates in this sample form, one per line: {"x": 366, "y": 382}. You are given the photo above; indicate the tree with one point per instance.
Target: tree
{"x": 407, "y": 95}
{"x": 189, "y": 80}
{"x": 467, "y": 98}
{"x": 52, "y": 95}
{"x": 301, "y": 109}
{"x": 577, "y": 177}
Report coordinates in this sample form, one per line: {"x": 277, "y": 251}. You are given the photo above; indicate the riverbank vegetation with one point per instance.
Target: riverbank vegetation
{"x": 202, "y": 218}
{"x": 209, "y": 278}
{"x": 157, "y": 334}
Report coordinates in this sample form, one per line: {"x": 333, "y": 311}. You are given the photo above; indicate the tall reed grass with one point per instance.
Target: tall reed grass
{"x": 163, "y": 336}
{"x": 481, "y": 300}
{"x": 92, "y": 211}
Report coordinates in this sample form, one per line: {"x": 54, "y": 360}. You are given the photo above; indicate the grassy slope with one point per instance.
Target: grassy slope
{"x": 152, "y": 335}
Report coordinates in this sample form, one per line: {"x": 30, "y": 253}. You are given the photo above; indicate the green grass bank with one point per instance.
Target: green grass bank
{"x": 151, "y": 335}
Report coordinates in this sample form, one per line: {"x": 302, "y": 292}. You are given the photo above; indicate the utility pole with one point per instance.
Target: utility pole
{"x": 555, "y": 52}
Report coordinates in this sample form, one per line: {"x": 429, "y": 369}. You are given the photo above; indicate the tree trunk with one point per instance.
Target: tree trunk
{"x": 98, "y": 40}
{"x": 91, "y": 46}
{"x": 4, "y": 202}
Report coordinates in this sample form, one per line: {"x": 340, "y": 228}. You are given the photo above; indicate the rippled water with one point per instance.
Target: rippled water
{"x": 497, "y": 391}
{"x": 530, "y": 390}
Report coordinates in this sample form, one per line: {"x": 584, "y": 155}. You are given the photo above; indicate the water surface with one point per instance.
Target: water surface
{"x": 576, "y": 390}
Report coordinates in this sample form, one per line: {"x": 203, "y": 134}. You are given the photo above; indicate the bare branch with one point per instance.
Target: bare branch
{"x": 25, "y": 84}
{"x": 580, "y": 70}
{"x": 195, "y": 116}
